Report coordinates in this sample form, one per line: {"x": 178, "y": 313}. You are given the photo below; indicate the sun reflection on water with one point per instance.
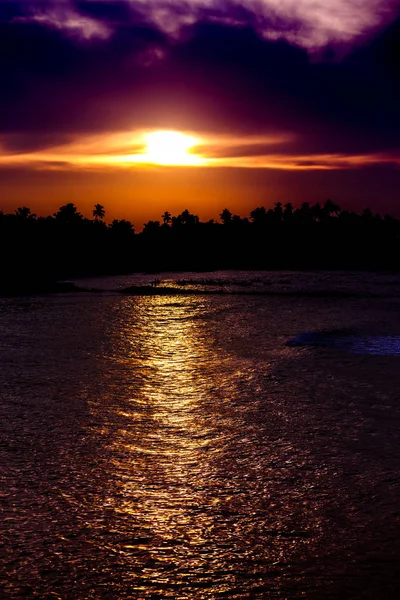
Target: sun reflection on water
{"x": 163, "y": 456}
{"x": 189, "y": 459}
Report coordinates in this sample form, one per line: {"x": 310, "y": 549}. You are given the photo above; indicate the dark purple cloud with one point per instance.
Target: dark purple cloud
{"x": 95, "y": 66}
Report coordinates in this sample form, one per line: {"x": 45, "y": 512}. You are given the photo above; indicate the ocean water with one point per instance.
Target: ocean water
{"x": 202, "y": 446}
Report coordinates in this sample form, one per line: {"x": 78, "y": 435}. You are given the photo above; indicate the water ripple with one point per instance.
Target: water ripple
{"x": 152, "y": 449}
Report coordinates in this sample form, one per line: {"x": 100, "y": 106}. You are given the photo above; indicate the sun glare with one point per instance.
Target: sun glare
{"x": 170, "y": 148}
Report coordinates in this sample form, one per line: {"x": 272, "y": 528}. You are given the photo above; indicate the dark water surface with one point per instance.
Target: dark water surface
{"x": 348, "y": 341}
{"x": 178, "y": 448}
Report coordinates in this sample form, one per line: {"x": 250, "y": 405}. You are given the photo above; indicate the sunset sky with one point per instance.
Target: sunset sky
{"x": 152, "y": 105}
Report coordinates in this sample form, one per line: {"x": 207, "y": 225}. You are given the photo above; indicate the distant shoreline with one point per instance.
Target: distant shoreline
{"x": 39, "y": 251}
{"x": 66, "y": 287}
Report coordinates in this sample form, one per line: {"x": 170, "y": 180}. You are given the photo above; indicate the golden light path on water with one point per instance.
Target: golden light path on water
{"x": 179, "y": 441}
{"x": 191, "y": 470}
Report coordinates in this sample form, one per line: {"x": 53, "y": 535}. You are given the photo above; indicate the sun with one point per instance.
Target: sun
{"x": 170, "y": 148}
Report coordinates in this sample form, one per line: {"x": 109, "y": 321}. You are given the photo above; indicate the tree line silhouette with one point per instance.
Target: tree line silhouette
{"x": 66, "y": 244}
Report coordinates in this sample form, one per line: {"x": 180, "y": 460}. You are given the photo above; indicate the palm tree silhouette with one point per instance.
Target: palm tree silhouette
{"x": 259, "y": 215}
{"x": 288, "y": 212}
{"x": 331, "y": 207}
{"x": 186, "y": 218}
{"x": 278, "y": 211}
{"x": 99, "y": 212}
{"x": 226, "y": 216}
{"x": 166, "y": 217}
{"x": 68, "y": 213}
{"x": 23, "y": 213}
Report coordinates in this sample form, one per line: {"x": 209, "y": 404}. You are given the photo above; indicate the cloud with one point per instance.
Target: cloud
{"x": 311, "y": 23}
{"x": 81, "y": 68}
{"x": 129, "y": 151}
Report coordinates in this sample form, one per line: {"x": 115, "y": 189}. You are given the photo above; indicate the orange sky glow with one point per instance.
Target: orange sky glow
{"x": 138, "y": 175}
